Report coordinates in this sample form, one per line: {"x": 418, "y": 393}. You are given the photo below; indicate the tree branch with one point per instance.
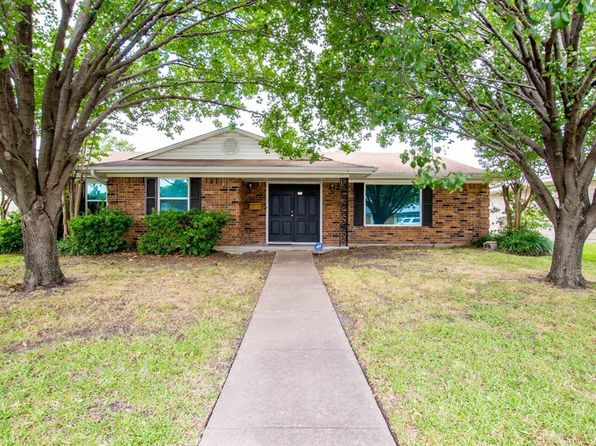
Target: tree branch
{"x": 122, "y": 106}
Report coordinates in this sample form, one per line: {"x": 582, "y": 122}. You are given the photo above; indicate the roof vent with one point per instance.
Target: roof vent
{"x": 230, "y": 146}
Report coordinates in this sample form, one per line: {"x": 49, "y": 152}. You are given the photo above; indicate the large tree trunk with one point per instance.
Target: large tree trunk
{"x": 566, "y": 266}
{"x": 42, "y": 267}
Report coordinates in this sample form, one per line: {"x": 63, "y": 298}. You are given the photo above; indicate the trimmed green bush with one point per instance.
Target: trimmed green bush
{"x": 173, "y": 232}
{"x": 99, "y": 233}
{"x": 524, "y": 242}
{"x": 11, "y": 234}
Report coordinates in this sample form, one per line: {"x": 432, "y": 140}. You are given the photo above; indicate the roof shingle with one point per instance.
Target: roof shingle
{"x": 383, "y": 164}
{"x": 390, "y": 163}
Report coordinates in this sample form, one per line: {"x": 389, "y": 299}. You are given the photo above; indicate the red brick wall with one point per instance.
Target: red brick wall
{"x": 235, "y": 197}
{"x": 225, "y": 194}
{"x": 458, "y": 217}
{"x": 254, "y": 211}
{"x": 128, "y": 195}
{"x": 331, "y": 213}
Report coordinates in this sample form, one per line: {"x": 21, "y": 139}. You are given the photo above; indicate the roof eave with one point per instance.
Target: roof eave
{"x": 227, "y": 171}
{"x": 470, "y": 176}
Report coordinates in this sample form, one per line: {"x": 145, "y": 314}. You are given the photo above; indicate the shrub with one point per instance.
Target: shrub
{"x": 193, "y": 232}
{"x": 11, "y": 235}
{"x": 524, "y": 242}
{"x": 479, "y": 242}
{"x": 534, "y": 218}
{"x": 98, "y": 233}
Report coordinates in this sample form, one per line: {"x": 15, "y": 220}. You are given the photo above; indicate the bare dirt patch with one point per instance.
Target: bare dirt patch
{"x": 126, "y": 294}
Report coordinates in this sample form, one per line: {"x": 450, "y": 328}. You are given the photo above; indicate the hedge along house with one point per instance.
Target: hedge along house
{"x": 341, "y": 200}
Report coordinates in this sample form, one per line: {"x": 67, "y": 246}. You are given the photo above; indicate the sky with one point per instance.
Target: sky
{"x": 147, "y": 138}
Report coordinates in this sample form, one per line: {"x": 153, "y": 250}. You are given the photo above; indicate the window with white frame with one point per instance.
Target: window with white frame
{"x": 392, "y": 205}
{"x": 173, "y": 194}
{"x": 96, "y": 195}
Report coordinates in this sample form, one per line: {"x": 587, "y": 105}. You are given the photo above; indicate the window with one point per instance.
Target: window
{"x": 96, "y": 195}
{"x": 392, "y": 204}
{"x": 173, "y": 194}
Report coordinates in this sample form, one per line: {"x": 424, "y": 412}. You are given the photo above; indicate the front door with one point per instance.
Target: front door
{"x": 294, "y": 213}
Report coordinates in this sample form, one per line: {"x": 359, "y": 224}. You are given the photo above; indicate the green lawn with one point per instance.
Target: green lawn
{"x": 590, "y": 252}
{"x": 467, "y": 347}
{"x": 134, "y": 351}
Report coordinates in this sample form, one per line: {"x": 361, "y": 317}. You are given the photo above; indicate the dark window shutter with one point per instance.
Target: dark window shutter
{"x": 427, "y": 206}
{"x": 358, "y": 204}
{"x": 150, "y": 195}
{"x": 195, "y": 193}
{"x": 82, "y": 198}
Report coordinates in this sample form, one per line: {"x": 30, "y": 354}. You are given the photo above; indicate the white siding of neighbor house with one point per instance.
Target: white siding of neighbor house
{"x": 497, "y": 206}
{"x": 212, "y": 148}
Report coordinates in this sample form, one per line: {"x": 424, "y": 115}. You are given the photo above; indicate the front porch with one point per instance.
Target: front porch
{"x": 271, "y": 213}
{"x": 244, "y": 249}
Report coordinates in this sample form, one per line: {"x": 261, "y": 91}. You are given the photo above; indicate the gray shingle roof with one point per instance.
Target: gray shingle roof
{"x": 390, "y": 163}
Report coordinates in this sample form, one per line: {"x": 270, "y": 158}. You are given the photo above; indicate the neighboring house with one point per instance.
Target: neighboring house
{"x": 497, "y": 210}
{"x": 12, "y": 207}
{"x": 341, "y": 200}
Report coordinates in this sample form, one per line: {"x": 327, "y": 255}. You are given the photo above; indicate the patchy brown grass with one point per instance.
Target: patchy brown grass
{"x": 133, "y": 350}
{"x": 124, "y": 294}
{"x": 463, "y": 346}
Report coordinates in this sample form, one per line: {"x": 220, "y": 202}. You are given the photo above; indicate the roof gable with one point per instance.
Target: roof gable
{"x": 226, "y": 143}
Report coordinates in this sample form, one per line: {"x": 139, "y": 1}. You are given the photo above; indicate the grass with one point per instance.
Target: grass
{"x": 590, "y": 252}
{"x": 469, "y": 347}
{"x": 134, "y": 351}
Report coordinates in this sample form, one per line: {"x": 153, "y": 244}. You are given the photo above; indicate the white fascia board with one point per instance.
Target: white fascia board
{"x": 230, "y": 172}
{"x": 245, "y": 176}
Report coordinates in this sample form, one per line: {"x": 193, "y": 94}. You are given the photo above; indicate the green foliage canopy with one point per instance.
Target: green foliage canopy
{"x": 513, "y": 76}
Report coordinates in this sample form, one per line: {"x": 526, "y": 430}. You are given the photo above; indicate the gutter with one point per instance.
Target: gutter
{"x": 219, "y": 171}
{"x": 388, "y": 177}
{"x": 356, "y": 174}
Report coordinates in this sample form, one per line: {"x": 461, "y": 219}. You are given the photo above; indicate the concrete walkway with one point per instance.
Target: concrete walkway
{"x": 295, "y": 380}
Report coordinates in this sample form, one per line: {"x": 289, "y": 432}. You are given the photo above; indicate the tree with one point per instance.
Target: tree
{"x": 114, "y": 144}
{"x": 95, "y": 147}
{"x": 515, "y": 76}
{"x": 521, "y": 210}
{"x": 518, "y": 196}
{"x": 384, "y": 201}
{"x": 92, "y": 150}
{"x": 68, "y": 68}
{"x": 5, "y": 202}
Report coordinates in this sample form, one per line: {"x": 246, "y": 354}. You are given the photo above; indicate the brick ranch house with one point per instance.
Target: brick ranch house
{"x": 342, "y": 200}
